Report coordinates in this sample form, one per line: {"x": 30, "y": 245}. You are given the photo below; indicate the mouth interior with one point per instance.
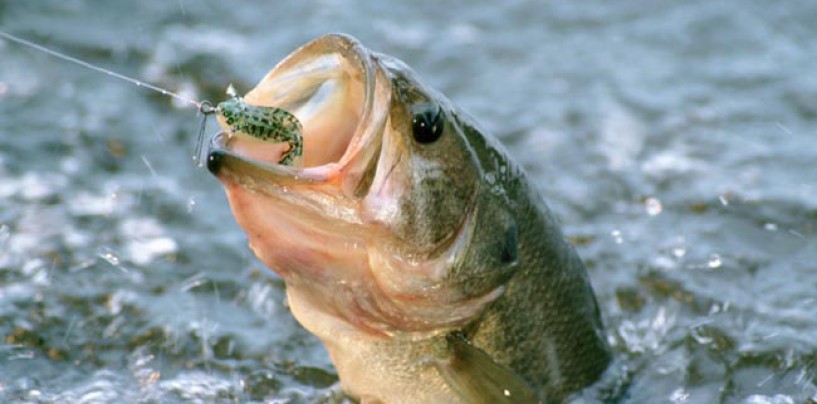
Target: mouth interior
{"x": 324, "y": 85}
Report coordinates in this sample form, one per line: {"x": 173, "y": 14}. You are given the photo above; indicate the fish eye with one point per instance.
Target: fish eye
{"x": 426, "y": 122}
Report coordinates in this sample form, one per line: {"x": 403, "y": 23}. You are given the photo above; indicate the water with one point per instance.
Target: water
{"x": 676, "y": 141}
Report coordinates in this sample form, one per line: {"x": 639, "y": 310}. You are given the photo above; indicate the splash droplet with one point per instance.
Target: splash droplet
{"x": 653, "y": 206}
{"x": 191, "y": 204}
{"x": 714, "y": 261}
{"x": 679, "y": 396}
{"x": 110, "y": 257}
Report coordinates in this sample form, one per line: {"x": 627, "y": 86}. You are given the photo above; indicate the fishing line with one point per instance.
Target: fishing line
{"x": 71, "y": 59}
{"x": 204, "y": 107}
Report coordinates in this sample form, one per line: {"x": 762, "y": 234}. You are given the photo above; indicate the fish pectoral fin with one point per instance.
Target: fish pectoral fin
{"x": 477, "y": 378}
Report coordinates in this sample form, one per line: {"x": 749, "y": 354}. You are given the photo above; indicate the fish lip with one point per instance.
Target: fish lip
{"x": 221, "y": 158}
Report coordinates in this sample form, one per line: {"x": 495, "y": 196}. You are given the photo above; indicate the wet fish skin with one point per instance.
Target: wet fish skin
{"x": 462, "y": 284}
{"x": 546, "y": 326}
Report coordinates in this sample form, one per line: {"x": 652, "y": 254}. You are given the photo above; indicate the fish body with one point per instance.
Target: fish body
{"x": 411, "y": 245}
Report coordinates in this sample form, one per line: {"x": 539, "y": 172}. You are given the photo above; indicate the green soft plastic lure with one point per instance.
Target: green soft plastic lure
{"x": 264, "y": 123}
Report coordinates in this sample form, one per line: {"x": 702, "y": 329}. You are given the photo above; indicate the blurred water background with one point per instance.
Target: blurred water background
{"x": 677, "y": 141}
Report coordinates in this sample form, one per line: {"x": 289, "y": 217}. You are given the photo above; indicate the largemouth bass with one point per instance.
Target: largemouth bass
{"x": 409, "y": 241}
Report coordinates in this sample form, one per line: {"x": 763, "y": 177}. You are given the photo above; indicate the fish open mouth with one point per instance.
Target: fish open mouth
{"x": 333, "y": 223}
{"x": 332, "y": 86}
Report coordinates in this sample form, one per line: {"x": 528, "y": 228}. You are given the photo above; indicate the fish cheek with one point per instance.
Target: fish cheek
{"x": 435, "y": 208}
{"x": 492, "y": 255}
{"x": 447, "y": 180}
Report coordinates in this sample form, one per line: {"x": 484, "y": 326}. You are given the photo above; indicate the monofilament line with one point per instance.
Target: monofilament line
{"x": 71, "y": 59}
{"x": 204, "y": 107}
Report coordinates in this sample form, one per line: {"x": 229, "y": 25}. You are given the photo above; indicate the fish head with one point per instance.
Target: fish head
{"x": 426, "y": 180}
{"x": 375, "y": 228}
